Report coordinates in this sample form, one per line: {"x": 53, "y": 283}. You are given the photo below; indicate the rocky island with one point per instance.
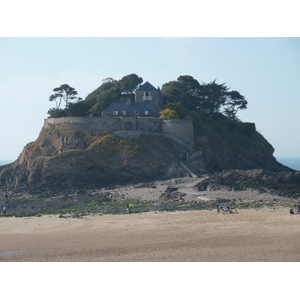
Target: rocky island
{"x": 90, "y": 161}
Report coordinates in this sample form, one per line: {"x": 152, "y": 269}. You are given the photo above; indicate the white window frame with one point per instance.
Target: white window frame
{"x": 147, "y": 96}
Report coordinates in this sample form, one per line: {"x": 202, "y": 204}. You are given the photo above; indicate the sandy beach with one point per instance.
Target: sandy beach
{"x": 264, "y": 235}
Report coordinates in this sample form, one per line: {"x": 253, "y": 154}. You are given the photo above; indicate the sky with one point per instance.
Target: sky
{"x": 262, "y": 64}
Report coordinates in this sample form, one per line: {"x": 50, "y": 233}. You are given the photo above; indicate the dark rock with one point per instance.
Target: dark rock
{"x": 108, "y": 160}
{"x": 279, "y": 183}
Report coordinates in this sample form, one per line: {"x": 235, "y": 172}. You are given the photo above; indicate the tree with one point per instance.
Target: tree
{"x": 173, "y": 92}
{"x": 235, "y": 101}
{"x": 191, "y": 85}
{"x": 192, "y": 90}
{"x": 129, "y": 83}
{"x": 212, "y": 97}
{"x": 102, "y": 97}
{"x": 109, "y": 79}
{"x": 112, "y": 90}
{"x": 184, "y": 90}
{"x": 77, "y": 109}
{"x": 57, "y": 113}
{"x": 169, "y": 114}
{"x": 64, "y": 93}
{"x": 177, "y": 107}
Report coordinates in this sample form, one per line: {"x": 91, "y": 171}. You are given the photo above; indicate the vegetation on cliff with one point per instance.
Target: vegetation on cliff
{"x": 209, "y": 98}
{"x": 181, "y": 97}
{"x": 111, "y": 90}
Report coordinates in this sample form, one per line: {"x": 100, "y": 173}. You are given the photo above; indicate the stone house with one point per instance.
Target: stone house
{"x": 148, "y": 101}
{"x": 147, "y": 93}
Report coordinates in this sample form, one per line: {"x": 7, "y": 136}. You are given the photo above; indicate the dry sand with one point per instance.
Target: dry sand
{"x": 193, "y": 236}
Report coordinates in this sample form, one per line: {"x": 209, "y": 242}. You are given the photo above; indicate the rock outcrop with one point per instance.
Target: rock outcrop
{"x": 230, "y": 145}
{"x": 77, "y": 158}
{"x": 285, "y": 184}
{"x": 60, "y": 159}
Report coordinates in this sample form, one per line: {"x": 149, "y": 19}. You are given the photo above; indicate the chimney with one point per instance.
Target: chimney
{"x": 128, "y": 101}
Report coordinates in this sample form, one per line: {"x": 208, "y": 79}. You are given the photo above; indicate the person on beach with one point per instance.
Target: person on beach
{"x": 128, "y": 208}
{"x": 4, "y": 210}
{"x": 298, "y": 212}
{"x": 218, "y": 208}
{"x": 291, "y": 211}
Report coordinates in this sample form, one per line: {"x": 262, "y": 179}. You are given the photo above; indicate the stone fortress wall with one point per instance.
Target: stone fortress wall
{"x": 180, "y": 129}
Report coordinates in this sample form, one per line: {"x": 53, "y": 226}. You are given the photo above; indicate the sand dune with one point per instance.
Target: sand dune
{"x": 193, "y": 236}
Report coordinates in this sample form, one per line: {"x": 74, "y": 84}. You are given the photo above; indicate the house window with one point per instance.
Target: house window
{"x": 116, "y": 112}
{"x": 124, "y": 112}
{"x": 146, "y": 112}
{"x": 137, "y": 112}
{"x": 147, "y": 96}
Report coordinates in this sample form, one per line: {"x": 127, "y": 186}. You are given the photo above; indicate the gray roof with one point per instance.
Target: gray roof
{"x": 131, "y": 108}
{"x": 146, "y": 87}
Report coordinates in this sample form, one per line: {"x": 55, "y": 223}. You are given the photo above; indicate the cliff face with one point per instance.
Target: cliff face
{"x": 234, "y": 146}
{"x": 72, "y": 158}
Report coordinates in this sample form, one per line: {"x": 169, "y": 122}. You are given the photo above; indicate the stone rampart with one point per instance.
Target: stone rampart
{"x": 153, "y": 125}
{"x": 98, "y": 126}
{"x": 182, "y": 129}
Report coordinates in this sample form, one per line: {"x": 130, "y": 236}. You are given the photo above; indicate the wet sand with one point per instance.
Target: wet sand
{"x": 265, "y": 235}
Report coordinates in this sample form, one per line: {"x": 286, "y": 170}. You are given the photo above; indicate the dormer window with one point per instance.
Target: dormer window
{"x": 147, "y": 96}
{"x": 146, "y": 112}
{"x": 116, "y": 112}
{"x": 124, "y": 112}
{"x": 137, "y": 112}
